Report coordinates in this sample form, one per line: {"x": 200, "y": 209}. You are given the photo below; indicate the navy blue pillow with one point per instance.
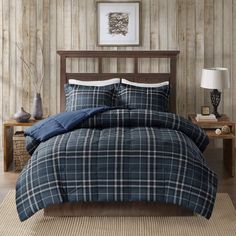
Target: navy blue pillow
{"x": 80, "y": 97}
{"x": 144, "y": 98}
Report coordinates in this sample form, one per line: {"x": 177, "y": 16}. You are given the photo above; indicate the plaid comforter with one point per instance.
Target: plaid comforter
{"x": 120, "y": 155}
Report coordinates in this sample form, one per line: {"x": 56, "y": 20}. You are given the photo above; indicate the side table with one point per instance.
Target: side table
{"x": 8, "y": 132}
{"x": 228, "y": 139}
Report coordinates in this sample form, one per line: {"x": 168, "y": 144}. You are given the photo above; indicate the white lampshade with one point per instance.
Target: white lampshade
{"x": 215, "y": 78}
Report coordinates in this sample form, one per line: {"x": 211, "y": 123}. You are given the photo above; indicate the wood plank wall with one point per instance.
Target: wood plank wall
{"x": 203, "y": 31}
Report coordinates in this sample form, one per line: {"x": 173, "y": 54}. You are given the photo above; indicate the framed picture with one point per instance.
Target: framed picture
{"x": 205, "y": 110}
{"x": 118, "y": 23}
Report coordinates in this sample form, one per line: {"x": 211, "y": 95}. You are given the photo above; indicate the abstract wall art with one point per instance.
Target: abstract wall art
{"x": 118, "y": 23}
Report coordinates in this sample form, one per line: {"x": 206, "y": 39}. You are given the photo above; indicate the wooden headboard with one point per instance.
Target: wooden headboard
{"x": 135, "y": 76}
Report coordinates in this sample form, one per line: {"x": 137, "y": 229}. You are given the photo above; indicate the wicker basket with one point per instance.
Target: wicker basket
{"x": 20, "y": 155}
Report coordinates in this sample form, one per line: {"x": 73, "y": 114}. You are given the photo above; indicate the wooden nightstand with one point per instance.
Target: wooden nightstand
{"x": 228, "y": 139}
{"x": 8, "y": 131}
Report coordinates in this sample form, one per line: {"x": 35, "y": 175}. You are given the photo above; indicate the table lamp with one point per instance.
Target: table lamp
{"x": 215, "y": 78}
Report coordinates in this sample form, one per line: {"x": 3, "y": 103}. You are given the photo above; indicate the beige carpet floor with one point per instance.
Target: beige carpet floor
{"x": 222, "y": 222}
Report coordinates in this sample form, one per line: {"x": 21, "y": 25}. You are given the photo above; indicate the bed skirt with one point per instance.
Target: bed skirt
{"x": 116, "y": 209}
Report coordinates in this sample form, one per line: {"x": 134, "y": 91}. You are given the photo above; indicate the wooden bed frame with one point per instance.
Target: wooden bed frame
{"x": 135, "y": 76}
{"x": 128, "y": 208}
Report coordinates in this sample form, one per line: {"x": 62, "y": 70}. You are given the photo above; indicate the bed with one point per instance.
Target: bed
{"x": 118, "y": 159}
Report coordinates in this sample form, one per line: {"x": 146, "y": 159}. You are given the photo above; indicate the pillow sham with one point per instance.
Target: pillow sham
{"x": 144, "y": 98}
{"x": 95, "y": 82}
{"x": 80, "y": 97}
{"x": 144, "y": 85}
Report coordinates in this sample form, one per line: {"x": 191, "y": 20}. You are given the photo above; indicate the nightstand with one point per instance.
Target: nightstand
{"x": 228, "y": 139}
{"x": 8, "y": 131}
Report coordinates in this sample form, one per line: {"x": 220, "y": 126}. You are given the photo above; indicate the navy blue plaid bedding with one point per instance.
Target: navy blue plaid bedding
{"x": 120, "y": 155}
{"x": 80, "y": 97}
{"x": 143, "y": 98}
{"x": 61, "y": 123}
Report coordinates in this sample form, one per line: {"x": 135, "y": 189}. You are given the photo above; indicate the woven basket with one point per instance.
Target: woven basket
{"x": 20, "y": 155}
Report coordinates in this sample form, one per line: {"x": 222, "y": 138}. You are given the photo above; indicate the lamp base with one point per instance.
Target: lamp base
{"x": 217, "y": 114}
{"x": 215, "y": 100}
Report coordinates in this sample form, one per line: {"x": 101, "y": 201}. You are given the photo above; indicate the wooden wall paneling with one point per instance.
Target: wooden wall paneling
{"x": 199, "y": 54}
{"x": 144, "y": 64}
{"x": 74, "y": 32}
{"x": 90, "y": 33}
{"x": 46, "y": 52}
{"x": 154, "y": 33}
{"x": 172, "y": 24}
{"x": 108, "y": 65}
{"x": 6, "y": 60}
{"x": 60, "y": 43}
{"x": 227, "y": 56}
{"x": 19, "y": 66}
{"x": 129, "y": 62}
{"x": 1, "y": 69}
{"x": 105, "y": 65}
{"x": 82, "y": 33}
{"x": 190, "y": 50}
{"x": 40, "y": 42}
{"x": 208, "y": 42}
{"x": 12, "y": 57}
{"x": 218, "y": 38}
{"x": 68, "y": 30}
{"x": 182, "y": 61}
{"x": 113, "y": 62}
{"x": 25, "y": 40}
{"x": 163, "y": 37}
{"x": 32, "y": 47}
{"x": 121, "y": 62}
{"x": 53, "y": 79}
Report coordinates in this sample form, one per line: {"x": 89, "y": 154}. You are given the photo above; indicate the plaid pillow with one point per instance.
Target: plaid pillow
{"x": 144, "y": 98}
{"x": 79, "y": 96}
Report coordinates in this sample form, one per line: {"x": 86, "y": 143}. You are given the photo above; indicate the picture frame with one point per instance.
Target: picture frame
{"x": 205, "y": 110}
{"x": 118, "y": 23}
